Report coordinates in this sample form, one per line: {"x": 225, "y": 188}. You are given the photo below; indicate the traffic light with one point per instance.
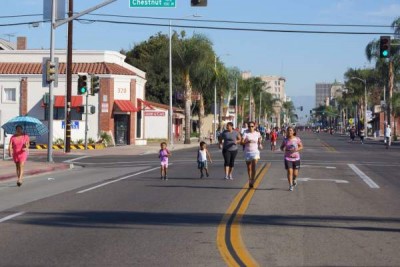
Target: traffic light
{"x": 384, "y": 44}
{"x": 198, "y": 2}
{"x": 50, "y": 71}
{"x": 301, "y": 108}
{"x": 92, "y": 109}
{"x": 95, "y": 84}
{"x": 82, "y": 84}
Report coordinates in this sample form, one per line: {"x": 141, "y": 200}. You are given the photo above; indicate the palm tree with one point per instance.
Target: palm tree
{"x": 372, "y": 51}
{"x": 222, "y": 80}
{"x": 188, "y": 55}
{"x": 203, "y": 81}
{"x": 396, "y": 111}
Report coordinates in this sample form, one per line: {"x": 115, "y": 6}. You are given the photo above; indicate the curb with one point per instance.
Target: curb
{"x": 38, "y": 171}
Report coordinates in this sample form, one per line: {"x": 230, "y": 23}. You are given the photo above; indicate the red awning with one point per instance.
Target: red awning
{"x": 125, "y": 106}
{"x": 145, "y": 104}
{"x": 59, "y": 101}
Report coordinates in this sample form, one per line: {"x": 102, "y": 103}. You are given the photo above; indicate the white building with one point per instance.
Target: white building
{"x": 156, "y": 121}
{"x": 119, "y": 104}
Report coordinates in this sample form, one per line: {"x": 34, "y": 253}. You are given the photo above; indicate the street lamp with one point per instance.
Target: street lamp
{"x": 170, "y": 124}
{"x": 365, "y": 101}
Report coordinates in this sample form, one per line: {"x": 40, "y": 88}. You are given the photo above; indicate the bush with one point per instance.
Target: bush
{"x": 91, "y": 141}
{"x": 194, "y": 134}
{"x": 58, "y": 141}
{"x": 105, "y": 138}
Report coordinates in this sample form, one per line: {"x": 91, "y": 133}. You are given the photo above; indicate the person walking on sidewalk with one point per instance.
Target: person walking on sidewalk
{"x": 362, "y": 135}
{"x": 18, "y": 149}
{"x": 352, "y": 134}
{"x": 163, "y": 155}
{"x": 388, "y": 133}
{"x": 229, "y": 148}
{"x": 291, "y": 145}
{"x": 252, "y": 142}
{"x": 202, "y": 155}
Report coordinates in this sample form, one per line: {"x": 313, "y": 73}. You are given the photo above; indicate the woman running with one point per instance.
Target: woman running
{"x": 252, "y": 142}
{"x": 291, "y": 145}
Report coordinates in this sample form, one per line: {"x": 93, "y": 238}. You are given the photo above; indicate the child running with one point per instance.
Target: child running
{"x": 163, "y": 155}
{"x": 202, "y": 156}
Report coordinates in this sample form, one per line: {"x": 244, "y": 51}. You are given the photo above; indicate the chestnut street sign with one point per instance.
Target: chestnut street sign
{"x": 151, "y": 3}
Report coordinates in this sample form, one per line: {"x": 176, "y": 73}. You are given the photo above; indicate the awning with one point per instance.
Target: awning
{"x": 59, "y": 101}
{"x": 125, "y": 106}
{"x": 144, "y": 103}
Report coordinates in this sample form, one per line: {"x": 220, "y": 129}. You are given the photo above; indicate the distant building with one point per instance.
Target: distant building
{"x": 325, "y": 92}
{"x": 275, "y": 85}
{"x": 322, "y": 91}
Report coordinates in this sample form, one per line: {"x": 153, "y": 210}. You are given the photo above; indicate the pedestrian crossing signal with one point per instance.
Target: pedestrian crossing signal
{"x": 82, "y": 84}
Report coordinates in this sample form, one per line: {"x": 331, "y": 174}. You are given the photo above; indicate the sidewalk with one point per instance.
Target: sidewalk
{"x": 34, "y": 166}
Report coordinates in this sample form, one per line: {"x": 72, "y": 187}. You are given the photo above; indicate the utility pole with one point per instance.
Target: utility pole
{"x": 51, "y": 84}
{"x": 69, "y": 79}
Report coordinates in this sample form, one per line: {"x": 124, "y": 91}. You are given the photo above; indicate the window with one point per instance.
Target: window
{"x": 10, "y": 95}
{"x": 59, "y": 114}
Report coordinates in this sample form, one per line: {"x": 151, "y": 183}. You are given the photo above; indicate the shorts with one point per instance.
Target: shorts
{"x": 292, "y": 164}
{"x": 202, "y": 164}
{"x": 164, "y": 163}
{"x": 254, "y": 155}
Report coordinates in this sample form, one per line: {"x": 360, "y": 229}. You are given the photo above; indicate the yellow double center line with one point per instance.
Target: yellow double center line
{"x": 229, "y": 240}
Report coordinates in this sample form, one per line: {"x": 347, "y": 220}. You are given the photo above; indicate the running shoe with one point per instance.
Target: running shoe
{"x": 291, "y": 188}
{"x": 201, "y": 176}
{"x": 294, "y": 182}
{"x": 226, "y": 177}
{"x": 251, "y": 185}
{"x": 165, "y": 178}
{"x": 230, "y": 177}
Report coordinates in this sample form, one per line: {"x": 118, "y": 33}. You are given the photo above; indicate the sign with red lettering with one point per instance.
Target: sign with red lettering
{"x": 154, "y": 113}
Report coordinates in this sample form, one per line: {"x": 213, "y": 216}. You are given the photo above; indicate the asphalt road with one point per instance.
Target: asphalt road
{"x": 115, "y": 211}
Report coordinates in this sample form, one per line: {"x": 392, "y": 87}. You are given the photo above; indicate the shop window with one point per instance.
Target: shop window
{"x": 59, "y": 114}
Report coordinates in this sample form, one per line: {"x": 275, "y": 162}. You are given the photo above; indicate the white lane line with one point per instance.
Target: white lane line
{"x": 363, "y": 176}
{"x": 9, "y": 217}
{"x": 72, "y": 160}
{"x": 117, "y": 180}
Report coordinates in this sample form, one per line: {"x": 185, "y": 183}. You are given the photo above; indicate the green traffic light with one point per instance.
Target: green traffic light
{"x": 385, "y": 53}
{"x": 82, "y": 90}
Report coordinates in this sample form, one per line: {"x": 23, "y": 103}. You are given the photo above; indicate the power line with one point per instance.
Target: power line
{"x": 247, "y": 22}
{"x": 221, "y": 21}
{"x": 237, "y": 29}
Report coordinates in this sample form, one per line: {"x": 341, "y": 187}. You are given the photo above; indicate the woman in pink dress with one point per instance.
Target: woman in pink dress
{"x": 18, "y": 150}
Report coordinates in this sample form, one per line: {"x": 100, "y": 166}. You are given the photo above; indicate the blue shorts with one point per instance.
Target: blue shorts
{"x": 202, "y": 164}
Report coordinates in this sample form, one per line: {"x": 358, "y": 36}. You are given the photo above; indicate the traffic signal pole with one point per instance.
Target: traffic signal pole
{"x": 86, "y": 118}
{"x": 69, "y": 80}
{"x": 51, "y": 84}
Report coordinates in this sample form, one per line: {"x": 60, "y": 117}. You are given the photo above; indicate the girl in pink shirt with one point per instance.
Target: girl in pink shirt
{"x": 291, "y": 145}
{"x": 18, "y": 150}
{"x": 163, "y": 155}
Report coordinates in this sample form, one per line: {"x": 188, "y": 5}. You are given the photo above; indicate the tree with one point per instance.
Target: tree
{"x": 151, "y": 56}
{"x": 372, "y": 52}
{"x": 188, "y": 55}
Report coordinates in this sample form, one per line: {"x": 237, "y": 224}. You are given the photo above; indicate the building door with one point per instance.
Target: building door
{"x": 121, "y": 126}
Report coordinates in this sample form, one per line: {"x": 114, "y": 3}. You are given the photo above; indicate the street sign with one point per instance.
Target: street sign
{"x": 151, "y": 3}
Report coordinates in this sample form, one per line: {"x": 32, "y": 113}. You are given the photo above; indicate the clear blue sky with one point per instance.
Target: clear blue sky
{"x": 303, "y": 59}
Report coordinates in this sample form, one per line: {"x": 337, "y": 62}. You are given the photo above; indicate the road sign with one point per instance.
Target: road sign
{"x": 151, "y": 3}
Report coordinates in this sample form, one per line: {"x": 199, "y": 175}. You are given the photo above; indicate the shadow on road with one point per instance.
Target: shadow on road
{"x": 125, "y": 219}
